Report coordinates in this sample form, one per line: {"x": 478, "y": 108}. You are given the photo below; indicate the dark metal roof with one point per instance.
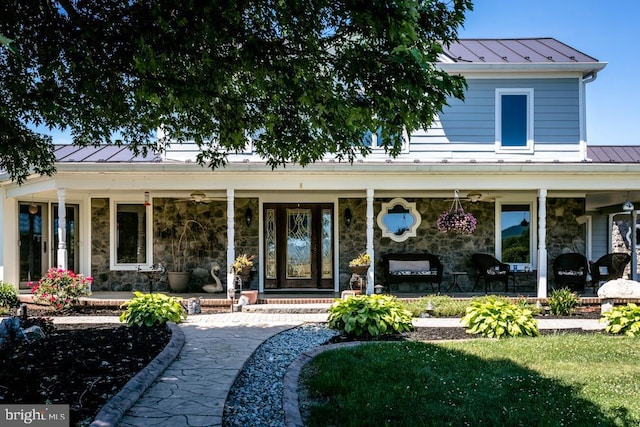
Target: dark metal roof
{"x": 529, "y": 50}
{"x": 614, "y": 153}
{"x": 102, "y": 153}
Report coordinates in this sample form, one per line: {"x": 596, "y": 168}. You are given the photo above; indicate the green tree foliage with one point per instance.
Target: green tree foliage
{"x": 300, "y": 79}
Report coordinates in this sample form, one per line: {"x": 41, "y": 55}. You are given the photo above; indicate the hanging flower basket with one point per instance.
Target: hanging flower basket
{"x": 456, "y": 220}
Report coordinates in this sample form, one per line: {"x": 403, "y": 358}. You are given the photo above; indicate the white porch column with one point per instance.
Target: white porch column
{"x": 370, "y": 275}
{"x": 62, "y": 229}
{"x": 231, "y": 251}
{"x": 542, "y": 243}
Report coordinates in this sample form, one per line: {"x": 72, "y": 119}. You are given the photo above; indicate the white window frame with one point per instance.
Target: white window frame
{"x": 528, "y": 92}
{"x": 411, "y": 207}
{"x": 377, "y": 148}
{"x": 113, "y": 264}
{"x": 533, "y": 230}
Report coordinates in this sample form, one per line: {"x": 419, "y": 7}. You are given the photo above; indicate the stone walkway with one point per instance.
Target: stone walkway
{"x": 192, "y": 390}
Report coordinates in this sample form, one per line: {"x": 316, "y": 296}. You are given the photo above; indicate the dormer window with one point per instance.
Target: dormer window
{"x": 514, "y": 120}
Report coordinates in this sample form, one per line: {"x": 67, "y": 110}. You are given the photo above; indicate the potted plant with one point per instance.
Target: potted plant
{"x": 360, "y": 264}
{"x": 178, "y": 277}
{"x": 456, "y": 221}
{"x": 242, "y": 266}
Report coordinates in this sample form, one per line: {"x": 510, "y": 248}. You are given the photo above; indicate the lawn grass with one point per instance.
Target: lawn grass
{"x": 560, "y": 380}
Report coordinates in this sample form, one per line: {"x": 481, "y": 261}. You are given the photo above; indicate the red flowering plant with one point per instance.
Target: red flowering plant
{"x": 60, "y": 288}
{"x": 456, "y": 220}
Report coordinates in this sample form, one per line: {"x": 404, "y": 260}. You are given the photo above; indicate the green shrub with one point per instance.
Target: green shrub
{"x": 8, "y": 296}
{"x": 443, "y": 306}
{"x": 369, "y": 315}
{"x": 624, "y": 319}
{"x": 152, "y": 309}
{"x": 562, "y": 302}
{"x": 496, "y": 318}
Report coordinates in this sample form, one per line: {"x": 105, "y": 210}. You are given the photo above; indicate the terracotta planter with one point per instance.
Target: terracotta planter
{"x": 252, "y": 295}
{"x": 179, "y": 280}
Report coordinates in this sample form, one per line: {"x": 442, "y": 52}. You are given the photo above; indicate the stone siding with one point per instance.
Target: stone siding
{"x": 564, "y": 234}
{"x": 206, "y": 245}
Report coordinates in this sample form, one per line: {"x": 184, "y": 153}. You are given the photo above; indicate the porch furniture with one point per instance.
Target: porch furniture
{"x": 570, "y": 270}
{"x": 490, "y": 270}
{"x": 608, "y": 267}
{"x": 454, "y": 281}
{"x": 403, "y": 267}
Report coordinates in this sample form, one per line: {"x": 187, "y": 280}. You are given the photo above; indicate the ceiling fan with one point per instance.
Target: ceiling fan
{"x": 199, "y": 197}
{"x": 475, "y": 197}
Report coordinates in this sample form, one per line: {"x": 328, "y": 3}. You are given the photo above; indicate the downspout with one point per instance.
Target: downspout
{"x": 588, "y": 78}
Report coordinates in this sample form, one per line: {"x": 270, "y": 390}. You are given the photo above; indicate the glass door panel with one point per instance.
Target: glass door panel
{"x": 299, "y": 243}
{"x": 32, "y": 242}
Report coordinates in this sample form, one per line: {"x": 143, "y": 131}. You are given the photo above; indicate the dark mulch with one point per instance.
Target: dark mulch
{"x": 84, "y": 365}
{"x": 80, "y": 365}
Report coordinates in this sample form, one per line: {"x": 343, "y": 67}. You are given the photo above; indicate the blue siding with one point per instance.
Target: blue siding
{"x": 600, "y": 241}
{"x": 472, "y": 121}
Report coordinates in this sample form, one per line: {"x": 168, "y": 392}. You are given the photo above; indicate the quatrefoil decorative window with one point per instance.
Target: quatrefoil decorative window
{"x": 399, "y": 219}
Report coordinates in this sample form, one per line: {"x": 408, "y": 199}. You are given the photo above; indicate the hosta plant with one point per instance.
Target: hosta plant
{"x": 60, "y": 288}
{"x": 497, "y": 318}
{"x": 624, "y": 319}
{"x": 563, "y": 302}
{"x": 152, "y": 309}
{"x": 370, "y": 315}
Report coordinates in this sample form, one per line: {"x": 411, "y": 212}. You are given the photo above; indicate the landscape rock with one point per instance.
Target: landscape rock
{"x": 617, "y": 289}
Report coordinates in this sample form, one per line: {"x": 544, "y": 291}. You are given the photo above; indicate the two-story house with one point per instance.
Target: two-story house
{"x": 515, "y": 151}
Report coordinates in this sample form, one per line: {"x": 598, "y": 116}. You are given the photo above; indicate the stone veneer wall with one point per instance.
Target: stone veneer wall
{"x": 564, "y": 234}
{"x": 207, "y": 245}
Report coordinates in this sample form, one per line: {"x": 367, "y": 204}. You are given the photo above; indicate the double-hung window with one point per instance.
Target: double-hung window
{"x": 514, "y": 120}
{"x": 131, "y": 236}
{"x": 375, "y": 141}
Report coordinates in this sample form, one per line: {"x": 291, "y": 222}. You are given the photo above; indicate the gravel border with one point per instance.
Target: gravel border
{"x": 256, "y": 396}
{"x": 111, "y": 413}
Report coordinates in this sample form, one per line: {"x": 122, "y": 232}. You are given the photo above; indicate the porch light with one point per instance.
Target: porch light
{"x": 248, "y": 216}
{"x": 627, "y": 206}
{"x": 33, "y": 209}
{"x": 347, "y": 217}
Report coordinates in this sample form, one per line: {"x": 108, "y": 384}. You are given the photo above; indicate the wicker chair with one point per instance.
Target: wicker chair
{"x": 491, "y": 270}
{"x": 570, "y": 270}
{"x": 609, "y": 267}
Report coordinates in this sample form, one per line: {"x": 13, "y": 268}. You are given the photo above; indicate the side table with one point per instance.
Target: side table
{"x": 454, "y": 282}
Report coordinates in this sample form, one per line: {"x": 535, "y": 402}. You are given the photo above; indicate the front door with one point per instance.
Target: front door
{"x": 298, "y": 246}
{"x": 38, "y": 243}
{"x": 32, "y": 220}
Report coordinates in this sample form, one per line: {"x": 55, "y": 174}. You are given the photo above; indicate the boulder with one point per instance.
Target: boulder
{"x": 617, "y": 289}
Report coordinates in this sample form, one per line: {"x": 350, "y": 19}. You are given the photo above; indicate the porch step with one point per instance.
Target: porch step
{"x": 286, "y": 308}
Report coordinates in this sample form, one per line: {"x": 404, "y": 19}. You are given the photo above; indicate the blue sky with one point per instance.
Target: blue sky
{"x": 606, "y": 30}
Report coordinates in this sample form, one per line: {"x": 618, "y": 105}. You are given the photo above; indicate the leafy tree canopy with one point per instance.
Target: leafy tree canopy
{"x": 300, "y": 79}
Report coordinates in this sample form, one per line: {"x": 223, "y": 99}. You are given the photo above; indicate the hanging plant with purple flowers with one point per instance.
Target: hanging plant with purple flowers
{"x": 456, "y": 221}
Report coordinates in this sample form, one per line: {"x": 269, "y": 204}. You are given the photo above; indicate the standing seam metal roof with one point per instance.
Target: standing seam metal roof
{"x": 525, "y": 50}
